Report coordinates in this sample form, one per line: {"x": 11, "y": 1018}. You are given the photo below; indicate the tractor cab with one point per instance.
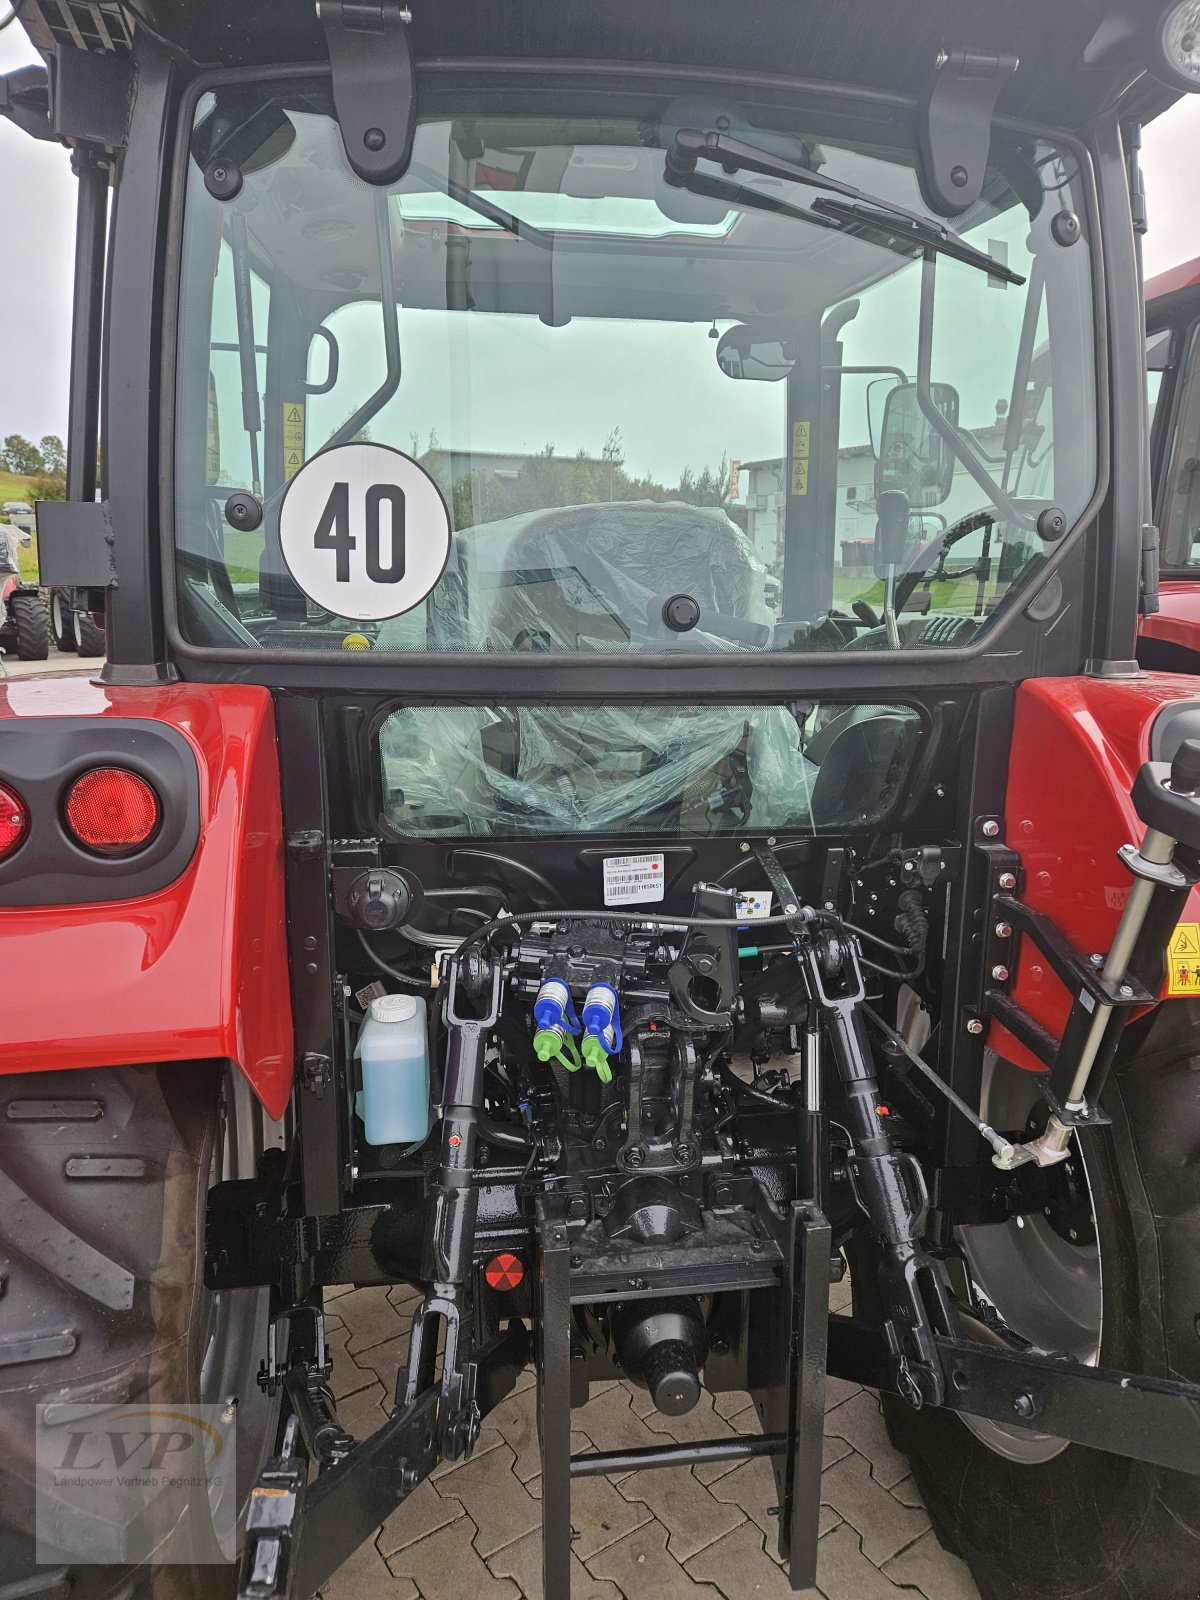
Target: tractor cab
{"x": 621, "y": 792}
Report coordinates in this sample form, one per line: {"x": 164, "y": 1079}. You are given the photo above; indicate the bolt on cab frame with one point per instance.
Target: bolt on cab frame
{"x": 777, "y": 867}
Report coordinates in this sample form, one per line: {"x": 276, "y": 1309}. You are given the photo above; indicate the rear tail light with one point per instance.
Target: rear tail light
{"x": 14, "y": 821}
{"x": 112, "y": 812}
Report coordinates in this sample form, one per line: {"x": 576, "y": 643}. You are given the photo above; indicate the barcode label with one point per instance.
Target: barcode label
{"x": 632, "y": 880}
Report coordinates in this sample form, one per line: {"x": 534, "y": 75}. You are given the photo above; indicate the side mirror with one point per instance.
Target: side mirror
{"x": 913, "y": 456}
{"x": 25, "y": 101}
{"x": 762, "y": 353}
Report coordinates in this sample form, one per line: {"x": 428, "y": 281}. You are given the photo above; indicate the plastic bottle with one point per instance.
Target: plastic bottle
{"x": 554, "y": 1007}
{"x": 393, "y": 1047}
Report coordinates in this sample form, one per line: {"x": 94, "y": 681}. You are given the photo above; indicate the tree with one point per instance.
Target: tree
{"x": 54, "y": 456}
{"x": 580, "y": 489}
{"x": 48, "y": 486}
{"x": 21, "y": 457}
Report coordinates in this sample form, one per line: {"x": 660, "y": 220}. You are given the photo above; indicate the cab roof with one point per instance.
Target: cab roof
{"x": 881, "y": 44}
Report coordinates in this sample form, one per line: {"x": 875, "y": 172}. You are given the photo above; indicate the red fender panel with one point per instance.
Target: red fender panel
{"x": 1077, "y": 746}
{"x": 195, "y": 970}
{"x": 1177, "y": 620}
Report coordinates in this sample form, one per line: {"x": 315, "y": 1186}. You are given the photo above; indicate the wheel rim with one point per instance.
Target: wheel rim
{"x": 60, "y": 629}
{"x": 1038, "y": 1285}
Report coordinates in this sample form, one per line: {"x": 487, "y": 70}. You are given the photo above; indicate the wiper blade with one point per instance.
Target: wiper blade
{"x": 882, "y": 217}
{"x": 885, "y": 226}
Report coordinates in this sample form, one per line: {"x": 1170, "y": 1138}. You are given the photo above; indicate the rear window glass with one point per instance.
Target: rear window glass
{"x": 642, "y": 769}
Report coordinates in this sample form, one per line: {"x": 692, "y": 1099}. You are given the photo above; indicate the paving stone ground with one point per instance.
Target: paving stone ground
{"x": 472, "y": 1531}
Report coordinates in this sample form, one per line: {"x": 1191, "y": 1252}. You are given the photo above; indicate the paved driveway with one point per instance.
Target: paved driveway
{"x": 472, "y": 1532}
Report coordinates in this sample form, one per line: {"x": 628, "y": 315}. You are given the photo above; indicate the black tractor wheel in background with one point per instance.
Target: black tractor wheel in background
{"x": 1044, "y": 1519}
{"x": 89, "y": 639}
{"x": 31, "y": 625}
{"x": 62, "y": 622}
{"x": 103, "y": 1181}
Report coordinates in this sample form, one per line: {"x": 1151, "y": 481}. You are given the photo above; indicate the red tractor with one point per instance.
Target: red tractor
{"x": 512, "y": 853}
{"x": 1169, "y": 639}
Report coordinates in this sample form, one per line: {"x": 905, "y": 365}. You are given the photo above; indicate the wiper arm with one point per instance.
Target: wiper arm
{"x": 497, "y": 215}
{"x": 882, "y": 217}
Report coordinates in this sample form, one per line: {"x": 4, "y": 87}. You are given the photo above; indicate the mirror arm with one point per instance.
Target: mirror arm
{"x": 391, "y": 330}
{"x": 953, "y": 436}
{"x": 875, "y": 372}
{"x": 1020, "y": 389}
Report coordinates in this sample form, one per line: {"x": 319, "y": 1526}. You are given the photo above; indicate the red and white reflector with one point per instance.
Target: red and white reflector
{"x": 505, "y": 1271}
{"x": 112, "y": 812}
{"x": 14, "y": 821}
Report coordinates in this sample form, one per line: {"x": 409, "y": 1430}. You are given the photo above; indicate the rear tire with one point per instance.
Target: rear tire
{"x": 62, "y": 621}
{"x": 89, "y": 639}
{"x": 1088, "y": 1524}
{"x": 31, "y": 624}
{"x": 103, "y": 1183}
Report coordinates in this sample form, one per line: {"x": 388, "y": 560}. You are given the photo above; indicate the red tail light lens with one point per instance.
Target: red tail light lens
{"x": 112, "y": 812}
{"x": 14, "y": 821}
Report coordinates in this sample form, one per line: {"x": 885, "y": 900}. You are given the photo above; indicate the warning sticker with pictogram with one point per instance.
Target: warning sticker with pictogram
{"x": 1183, "y": 955}
{"x": 293, "y": 438}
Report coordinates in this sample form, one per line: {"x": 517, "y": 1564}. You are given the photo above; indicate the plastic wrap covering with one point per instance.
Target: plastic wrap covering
{"x": 656, "y": 769}
{"x": 574, "y": 769}
{"x": 596, "y": 577}
{"x": 593, "y": 577}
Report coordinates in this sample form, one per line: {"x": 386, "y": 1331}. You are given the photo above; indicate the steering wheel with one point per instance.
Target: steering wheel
{"x": 984, "y": 517}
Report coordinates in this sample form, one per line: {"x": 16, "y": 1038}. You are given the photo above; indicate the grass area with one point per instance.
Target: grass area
{"x": 958, "y": 595}
{"x": 13, "y": 487}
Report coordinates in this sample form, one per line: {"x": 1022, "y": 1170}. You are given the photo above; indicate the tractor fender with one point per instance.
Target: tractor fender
{"x": 1077, "y": 746}
{"x": 196, "y": 969}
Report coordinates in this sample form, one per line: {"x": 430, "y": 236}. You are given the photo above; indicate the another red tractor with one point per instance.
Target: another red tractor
{"x": 513, "y": 853}
{"x": 1169, "y": 639}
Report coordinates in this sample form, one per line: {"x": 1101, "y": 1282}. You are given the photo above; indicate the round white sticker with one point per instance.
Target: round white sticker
{"x": 364, "y": 531}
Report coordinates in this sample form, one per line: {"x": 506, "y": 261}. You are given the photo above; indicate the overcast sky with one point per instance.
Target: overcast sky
{"x": 37, "y": 203}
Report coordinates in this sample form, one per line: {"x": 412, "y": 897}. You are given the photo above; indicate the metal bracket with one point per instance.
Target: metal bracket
{"x": 956, "y": 127}
{"x": 374, "y": 84}
{"x": 271, "y": 1369}
{"x": 75, "y": 544}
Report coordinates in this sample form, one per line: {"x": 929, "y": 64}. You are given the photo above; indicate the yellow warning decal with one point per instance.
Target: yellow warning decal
{"x": 293, "y": 438}
{"x": 801, "y": 432}
{"x": 1183, "y": 953}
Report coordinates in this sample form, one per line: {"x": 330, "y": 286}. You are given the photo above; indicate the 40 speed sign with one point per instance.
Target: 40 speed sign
{"x": 364, "y": 531}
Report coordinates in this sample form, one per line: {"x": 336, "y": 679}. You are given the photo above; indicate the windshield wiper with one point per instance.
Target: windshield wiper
{"x": 883, "y": 224}
{"x": 891, "y": 225}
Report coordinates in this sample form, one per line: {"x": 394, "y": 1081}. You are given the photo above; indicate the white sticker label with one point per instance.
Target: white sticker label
{"x": 630, "y": 880}
{"x": 364, "y": 531}
{"x": 754, "y": 903}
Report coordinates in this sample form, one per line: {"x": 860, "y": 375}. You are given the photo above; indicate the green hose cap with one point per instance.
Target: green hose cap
{"x": 596, "y": 1057}
{"x": 552, "y": 1044}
